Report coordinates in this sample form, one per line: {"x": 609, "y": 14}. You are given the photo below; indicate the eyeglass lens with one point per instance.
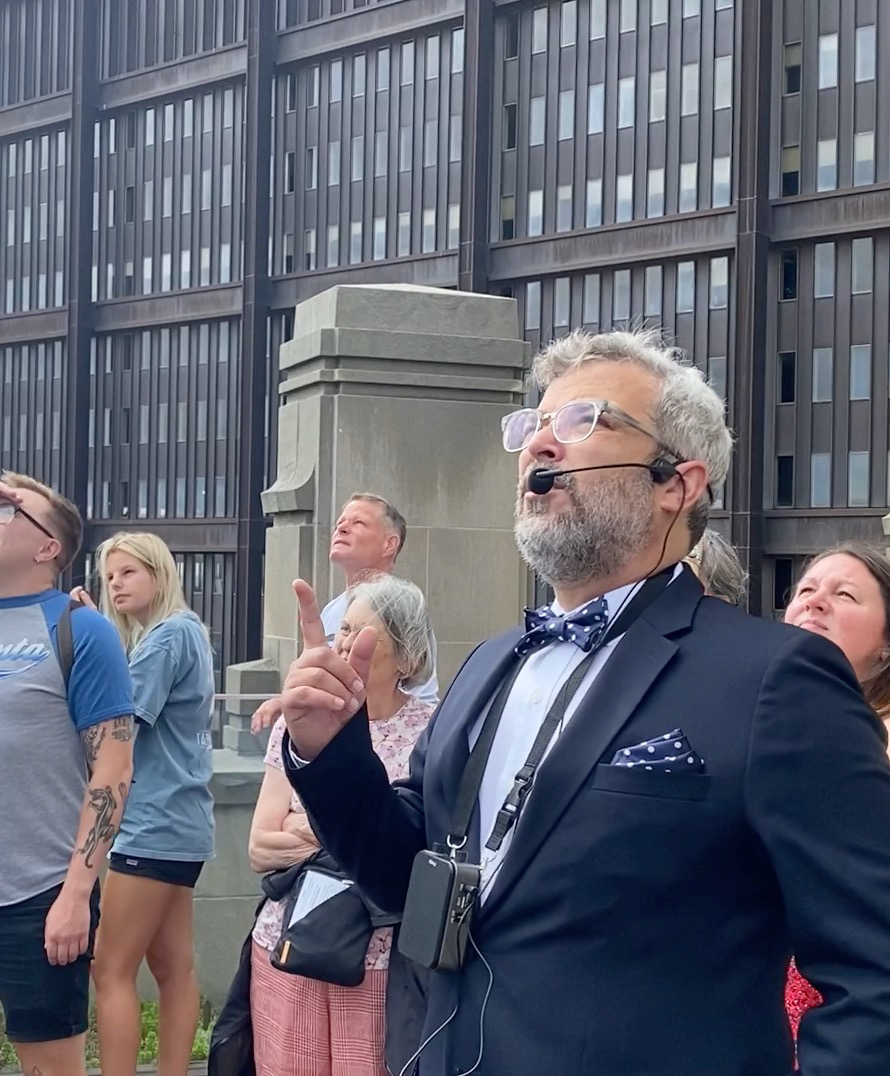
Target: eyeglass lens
{"x": 572, "y": 422}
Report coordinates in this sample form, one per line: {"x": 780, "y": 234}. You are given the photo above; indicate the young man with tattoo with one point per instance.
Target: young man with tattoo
{"x": 67, "y": 761}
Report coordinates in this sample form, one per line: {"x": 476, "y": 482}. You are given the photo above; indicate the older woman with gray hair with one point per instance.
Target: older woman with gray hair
{"x": 302, "y": 1026}
{"x": 719, "y": 570}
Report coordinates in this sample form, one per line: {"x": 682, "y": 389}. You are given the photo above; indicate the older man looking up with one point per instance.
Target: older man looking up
{"x": 368, "y": 536}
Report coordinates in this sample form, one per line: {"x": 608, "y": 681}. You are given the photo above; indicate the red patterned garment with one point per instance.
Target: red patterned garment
{"x": 800, "y": 996}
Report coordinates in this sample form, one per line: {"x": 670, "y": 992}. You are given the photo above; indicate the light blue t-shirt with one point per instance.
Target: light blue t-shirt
{"x": 169, "y": 814}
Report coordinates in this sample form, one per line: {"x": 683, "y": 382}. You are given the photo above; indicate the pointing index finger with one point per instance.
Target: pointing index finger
{"x": 310, "y": 618}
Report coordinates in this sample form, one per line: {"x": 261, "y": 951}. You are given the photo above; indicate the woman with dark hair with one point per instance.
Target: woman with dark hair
{"x": 844, "y": 594}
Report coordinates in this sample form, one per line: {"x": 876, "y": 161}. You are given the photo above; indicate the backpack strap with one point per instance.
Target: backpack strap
{"x": 65, "y": 640}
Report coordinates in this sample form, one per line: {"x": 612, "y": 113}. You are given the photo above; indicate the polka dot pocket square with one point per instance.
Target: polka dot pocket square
{"x": 670, "y": 753}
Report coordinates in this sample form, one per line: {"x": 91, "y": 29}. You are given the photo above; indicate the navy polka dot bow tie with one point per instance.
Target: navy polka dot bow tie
{"x": 584, "y": 627}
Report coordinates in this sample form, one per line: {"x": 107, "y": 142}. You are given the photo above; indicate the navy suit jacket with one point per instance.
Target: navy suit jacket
{"x": 642, "y": 922}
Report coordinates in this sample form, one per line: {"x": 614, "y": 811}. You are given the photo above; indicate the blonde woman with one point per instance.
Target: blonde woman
{"x": 167, "y": 830}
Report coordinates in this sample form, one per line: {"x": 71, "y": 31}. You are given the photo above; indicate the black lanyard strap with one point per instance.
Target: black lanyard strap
{"x": 471, "y": 781}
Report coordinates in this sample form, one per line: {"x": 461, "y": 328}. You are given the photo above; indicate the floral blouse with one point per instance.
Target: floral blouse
{"x": 393, "y": 740}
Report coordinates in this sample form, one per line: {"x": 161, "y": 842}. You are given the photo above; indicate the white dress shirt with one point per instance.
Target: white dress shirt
{"x": 536, "y": 686}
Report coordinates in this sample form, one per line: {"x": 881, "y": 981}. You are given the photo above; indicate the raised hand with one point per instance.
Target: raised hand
{"x": 322, "y": 691}
{"x": 78, "y": 594}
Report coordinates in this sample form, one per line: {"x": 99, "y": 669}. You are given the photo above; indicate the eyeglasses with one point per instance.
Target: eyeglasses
{"x": 8, "y": 512}
{"x": 573, "y": 422}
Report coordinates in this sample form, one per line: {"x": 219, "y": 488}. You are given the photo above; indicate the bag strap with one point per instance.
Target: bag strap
{"x": 65, "y": 641}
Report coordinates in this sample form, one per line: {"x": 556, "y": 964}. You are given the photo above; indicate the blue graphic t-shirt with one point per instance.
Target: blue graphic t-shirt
{"x": 42, "y": 757}
{"x": 169, "y": 813}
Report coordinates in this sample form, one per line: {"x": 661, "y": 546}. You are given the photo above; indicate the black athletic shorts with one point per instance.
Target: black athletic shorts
{"x": 42, "y": 1002}
{"x": 170, "y": 871}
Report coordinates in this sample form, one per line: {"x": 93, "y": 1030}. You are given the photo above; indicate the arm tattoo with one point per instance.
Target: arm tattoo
{"x": 104, "y": 805}
{"x": 122, "y": 729}
{"x": 91, "y": 739}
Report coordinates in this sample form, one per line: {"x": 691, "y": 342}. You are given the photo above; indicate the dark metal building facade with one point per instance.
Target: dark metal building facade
{"x": 176, "y": 175}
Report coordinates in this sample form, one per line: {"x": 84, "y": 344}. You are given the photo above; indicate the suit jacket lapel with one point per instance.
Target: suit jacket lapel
{"x": 612, "y": 699}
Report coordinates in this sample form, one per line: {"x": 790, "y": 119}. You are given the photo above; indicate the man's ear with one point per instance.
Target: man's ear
{"x": 391, "y": 545}
{"x": 695, "y": 482}
{"x": 50, "y": 550}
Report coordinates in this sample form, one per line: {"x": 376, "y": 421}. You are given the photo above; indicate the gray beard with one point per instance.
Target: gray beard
{"x": 608, "y": 524}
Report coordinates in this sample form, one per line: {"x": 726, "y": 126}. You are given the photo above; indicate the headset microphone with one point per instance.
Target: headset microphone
{"x": 541, "y": 480}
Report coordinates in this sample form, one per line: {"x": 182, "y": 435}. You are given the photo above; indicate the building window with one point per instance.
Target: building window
{"x": 691, "y": 8}
{"x": 820, "y": 480}
{"x": 428, "y": 234}
{"x": 721, "y": 182}
{"x": 379, "y": 238}
{"x": 826, "y": 164}
{"x": 596, "y": 102}
{"x": 689, "y": 90}
{"x": 383, "y": 69}
{"x": 432, "y": 57}
{"x": 533, "y": 305}
{"x": 626, "y": 100}
{"x": 658, "y": 12}
{"x": 381, "y": 151}
{"x": 657, "y": 96}
{"x": 823, "y": 374}
{"x": 309, "y": 259}
{"x": 857, "y": 480}
{"x": 790, "y": 171}
{"x": 508, "y": 217}
{"x": 652, "y": 292}
{"x": 561, "y": 297}
{"x": 788, "y": 278}
{"x": 358, "y": 158}
{"x": 566, "y": 115}
{"x": 860, "y": 372}
{"x": 791, "y": 68}
{"x": 313, "y": 80}
{"x": 823, "y": 276}
{"x": 688, "y": 201}
{"x": 406, "y": 64}
{"x": 333, "y": 252}
{"x": 430, "y": 142}
{"x": 787, "y": 376}
{"x": 628, "y": 16}
{"x": 336, "y": 87}
{"x": 453, "y": 238}
{"x": 784, "y": 481}
{"x": 539, "y": 29}
{"x": 536, "y": 121}
{"x": 862, "y": 266}
{"x": 535, "y": 212}
{"x": 624, "y": 198}
{"x": 334, "y": 163}
{"x": 406, "y": 147}
{"x": 655, "y": 193}
{"x": 568, "y": 23}
{"x": 590, "y": 313}
{"x": 355, "y": 242}
{"x": 621, "y": 296}
{"x": 594, "y": 212}
{"x": 359, "y": 75}
{"x": 719, "y": 295}
{"x": 865, "y": 53}
{"x": 511, "y": 37}
{"x": 685, "y": 287}
{"x": 311, "y": 167}
{"x": 864, "y": 158}
{"x": 404, "y": 234}
{"x": 717, "y": 375}
{"x": 782, "y": 582}
{"x": 564, "y": 208}
{"x": 722, "y": 82}
{"x": 827, "y": 61}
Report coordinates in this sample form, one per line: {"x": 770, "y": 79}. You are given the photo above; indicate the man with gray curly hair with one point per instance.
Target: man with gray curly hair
{"x": 670, "y": 797}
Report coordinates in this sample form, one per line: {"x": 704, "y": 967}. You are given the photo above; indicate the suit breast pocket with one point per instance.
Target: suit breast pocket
{"x": 633, "y": 782}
